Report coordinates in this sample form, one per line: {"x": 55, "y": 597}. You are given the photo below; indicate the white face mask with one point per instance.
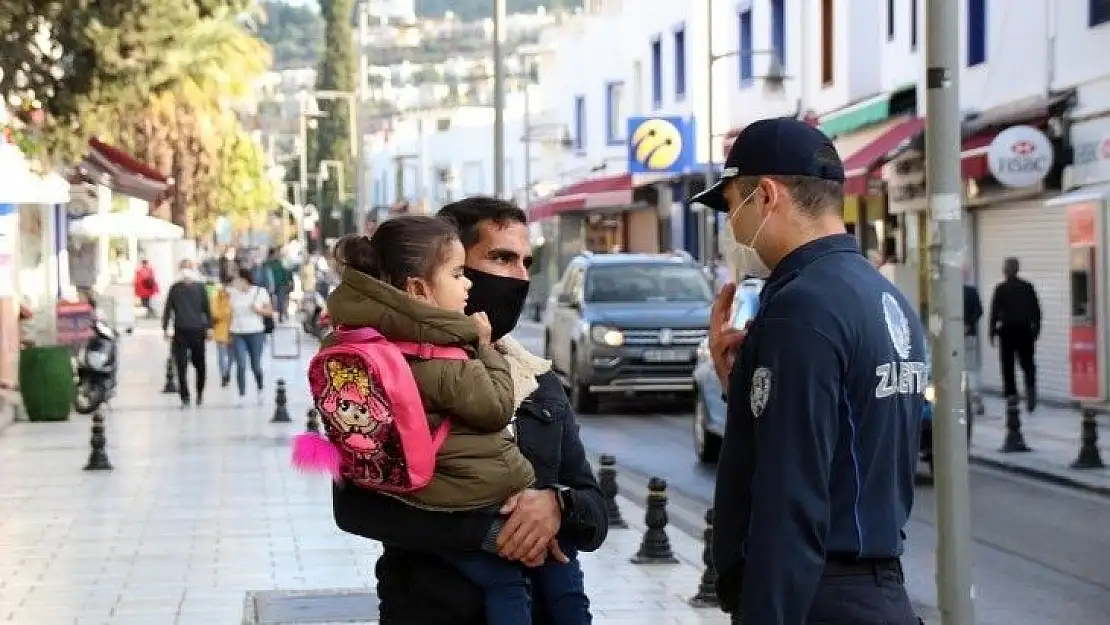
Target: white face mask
{"x": 742, "y": 258}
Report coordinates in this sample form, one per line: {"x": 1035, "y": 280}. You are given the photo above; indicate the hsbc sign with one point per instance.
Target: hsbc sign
{"x": 1091, "y": 144}
{"x": 1020, "y": 156}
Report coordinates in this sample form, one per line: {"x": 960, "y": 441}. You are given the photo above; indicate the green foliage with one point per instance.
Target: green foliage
{"x": 470, "y": 10}
{"x": 336, "y": 72}
{"x": 294, "y": 33}
{"x": 243, "y": 187}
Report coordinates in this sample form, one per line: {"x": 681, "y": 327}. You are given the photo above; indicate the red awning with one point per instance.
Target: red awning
{"x": 603, "y": 192}
{"x": 859, "y": 166}
{"x": 862, "y": 166}
{"x": 123, "y": 173}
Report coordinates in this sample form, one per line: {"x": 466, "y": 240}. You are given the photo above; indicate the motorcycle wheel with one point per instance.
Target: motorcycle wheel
{"x": 89, "y": 396}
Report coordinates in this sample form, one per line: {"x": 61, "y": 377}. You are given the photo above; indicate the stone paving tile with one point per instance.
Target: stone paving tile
{"x": 203, "y": 507}
{"x": 1053, "y": 433}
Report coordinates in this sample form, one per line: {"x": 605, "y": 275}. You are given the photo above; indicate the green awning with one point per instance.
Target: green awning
{"x": 858, "y": 115}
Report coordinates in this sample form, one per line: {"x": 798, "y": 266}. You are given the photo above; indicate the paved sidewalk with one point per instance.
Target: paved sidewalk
{"x": 203, "y": 508}
{"x": 1052, "y": 433}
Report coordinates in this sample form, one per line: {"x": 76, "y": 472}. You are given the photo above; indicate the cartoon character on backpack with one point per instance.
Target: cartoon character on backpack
{"x": 376, "y": 433}
{"x": 357, "y": 416}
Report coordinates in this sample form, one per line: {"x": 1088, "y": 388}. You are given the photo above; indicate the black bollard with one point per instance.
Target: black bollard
{"x": 656, "y": 546}
{"x": 171, "y": 378}
{"x": 98, "y": 457}
{"x": 607, "y": 480}
{"x": 281, "y": 401}
{"x": 313, "y": 422}
{"x": 707, "y": 587}
{"x": 1014, "y": 441}
{"x": 1089, "y": 456}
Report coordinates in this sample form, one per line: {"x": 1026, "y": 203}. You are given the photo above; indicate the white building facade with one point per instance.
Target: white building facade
{"x": 855, "y": 68}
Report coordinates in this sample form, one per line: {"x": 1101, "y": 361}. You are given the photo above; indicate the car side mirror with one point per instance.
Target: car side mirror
{"x": 566, "y": 300}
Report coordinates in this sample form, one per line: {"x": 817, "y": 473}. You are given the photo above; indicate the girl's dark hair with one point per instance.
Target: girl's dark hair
{"x": 409, "y": 246}
{"x": 246, "y": 274}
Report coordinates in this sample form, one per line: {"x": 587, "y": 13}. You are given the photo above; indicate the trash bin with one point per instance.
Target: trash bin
{"x": 46, "y": 382}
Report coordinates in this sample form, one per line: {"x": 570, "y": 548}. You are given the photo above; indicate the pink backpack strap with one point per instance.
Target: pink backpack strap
{"x": 347, "y": 334}
{"x": 427, "y": 351}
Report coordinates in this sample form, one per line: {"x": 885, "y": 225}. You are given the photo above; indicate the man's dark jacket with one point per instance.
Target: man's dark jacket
{"x": 415, "y": 586}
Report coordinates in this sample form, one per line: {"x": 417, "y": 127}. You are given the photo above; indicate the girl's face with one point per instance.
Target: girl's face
{"x": 448, "y": 287}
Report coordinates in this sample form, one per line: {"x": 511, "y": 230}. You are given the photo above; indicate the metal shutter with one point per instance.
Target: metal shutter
{"x": 1037, "y": 236}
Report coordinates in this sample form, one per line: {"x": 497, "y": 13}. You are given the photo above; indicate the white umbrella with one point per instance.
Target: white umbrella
{"x": 142, "y": 227}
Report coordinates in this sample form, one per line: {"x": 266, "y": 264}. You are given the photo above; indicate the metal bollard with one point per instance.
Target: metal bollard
{"x": 656, "y": 546}
{"x": 707, "y": 587}
{"x": 1014, "y": 441}
{"x": 171, "y": 377}
{"x": 98, "y": 456}
{"x": 607, "y": 480}
{"x": 281, "y": 402}
{"x": 1089, "y": 456}
{"x": 312, "y": 424}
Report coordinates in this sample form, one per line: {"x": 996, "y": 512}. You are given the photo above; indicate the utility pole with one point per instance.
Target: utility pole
{"x": 709, "y": 218}
{"x": 361, "y": 184}
{"x": 945, "y": 323}
{"x": 527, "y": 201}
{"x": 499, "y": 98}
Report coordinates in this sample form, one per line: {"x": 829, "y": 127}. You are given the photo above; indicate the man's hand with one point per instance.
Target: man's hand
{"x": 168, "y": 332}
{"x": 534, "y": 520}
{"x": 554, "y": 550}
{"x": 723, "y": 338}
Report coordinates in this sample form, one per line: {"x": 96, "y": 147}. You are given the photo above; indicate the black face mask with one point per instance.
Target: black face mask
{"x": 500, "y": 297}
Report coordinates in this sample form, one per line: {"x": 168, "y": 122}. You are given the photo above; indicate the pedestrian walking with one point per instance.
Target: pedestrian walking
{"x": 187, "y": 307}
{"x": 815, "y": 479}
{"x": 278, "y": 282}
{"x": 973, "y": 312}
{"x": 221, "y": 328}
{"x": 250, "y": 305}
{"x": 146, "y": 287}
{"x": 1015, "y": 323}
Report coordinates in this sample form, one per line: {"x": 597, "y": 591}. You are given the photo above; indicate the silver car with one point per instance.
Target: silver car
{"x": 709, "y": 409}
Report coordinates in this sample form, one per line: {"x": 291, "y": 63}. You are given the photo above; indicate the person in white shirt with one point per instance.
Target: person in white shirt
{"x": 250, "y": 305}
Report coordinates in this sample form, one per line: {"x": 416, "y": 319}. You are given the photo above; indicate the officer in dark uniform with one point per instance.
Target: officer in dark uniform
{"x": 825, "y": 395}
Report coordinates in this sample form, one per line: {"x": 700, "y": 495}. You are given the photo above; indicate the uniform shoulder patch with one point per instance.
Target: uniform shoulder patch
{"x": 761, "y": 390}
{"x": 897, "y": 325}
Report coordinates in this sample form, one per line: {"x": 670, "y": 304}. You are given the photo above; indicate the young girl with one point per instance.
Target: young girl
{"x": 407, "y": 282}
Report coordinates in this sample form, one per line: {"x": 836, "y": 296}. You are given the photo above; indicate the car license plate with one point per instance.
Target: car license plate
{"x": 667, "y": 355}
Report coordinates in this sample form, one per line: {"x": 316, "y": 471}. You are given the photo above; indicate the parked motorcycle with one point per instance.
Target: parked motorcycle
{"x": 97, "y": 365}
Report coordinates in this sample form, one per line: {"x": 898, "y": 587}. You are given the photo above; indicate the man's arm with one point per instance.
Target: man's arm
{"x": 796, "y": 429}
{"x": 206, "y": 306}
{"x": 996, "y": 312}
{"x": 1035, "y": 304}
{"x": 385, "y": 519}
{"x": 588, "y": 524}
{"x": 167, "y": 310}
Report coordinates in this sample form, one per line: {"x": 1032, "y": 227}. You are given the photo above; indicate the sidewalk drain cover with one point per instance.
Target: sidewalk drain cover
{"x": 310, "y": 607}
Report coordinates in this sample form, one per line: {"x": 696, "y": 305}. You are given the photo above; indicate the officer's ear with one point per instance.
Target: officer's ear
{"x": 768, "y": 195}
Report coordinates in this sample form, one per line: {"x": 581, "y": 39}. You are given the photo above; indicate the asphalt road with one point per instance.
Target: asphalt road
{"x": 1042, "y": 552}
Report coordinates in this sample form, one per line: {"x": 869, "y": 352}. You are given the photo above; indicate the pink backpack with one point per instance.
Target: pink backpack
{"x": 377, "y": 433}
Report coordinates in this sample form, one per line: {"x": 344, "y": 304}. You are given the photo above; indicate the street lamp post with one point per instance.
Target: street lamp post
{"x": 499, "y": 98}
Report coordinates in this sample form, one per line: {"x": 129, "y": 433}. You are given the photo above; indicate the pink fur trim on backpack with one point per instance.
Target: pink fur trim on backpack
{"x": 314, "y": 453}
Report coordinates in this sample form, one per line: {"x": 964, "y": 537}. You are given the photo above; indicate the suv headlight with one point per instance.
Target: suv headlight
{"x": 604, "y": 335}
{"x": 930, "y": 393}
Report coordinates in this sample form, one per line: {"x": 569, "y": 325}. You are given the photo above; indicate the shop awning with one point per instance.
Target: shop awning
{"x": 122, "y": 173}
{"x": 594, "y": 193}
{"x": 859, "y": 167}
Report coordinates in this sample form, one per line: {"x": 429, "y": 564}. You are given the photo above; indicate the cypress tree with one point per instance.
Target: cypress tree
{"x": 336, "y": 72}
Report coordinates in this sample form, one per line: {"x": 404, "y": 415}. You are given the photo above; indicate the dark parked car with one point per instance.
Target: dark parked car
{"x": 627, "y": 323}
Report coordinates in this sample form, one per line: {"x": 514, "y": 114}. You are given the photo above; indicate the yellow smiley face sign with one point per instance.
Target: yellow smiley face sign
{"x": 657, "y": 144}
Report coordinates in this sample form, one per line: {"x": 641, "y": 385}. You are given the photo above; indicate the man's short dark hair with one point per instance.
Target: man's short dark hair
{"x": 814, "y": 197}
{"x": 467, "y": 213}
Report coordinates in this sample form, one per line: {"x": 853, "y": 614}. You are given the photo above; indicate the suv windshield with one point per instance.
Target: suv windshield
{"x": 646, "y": 283}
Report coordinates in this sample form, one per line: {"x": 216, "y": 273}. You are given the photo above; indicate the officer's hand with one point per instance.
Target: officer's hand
{"x": 723, "y": 338}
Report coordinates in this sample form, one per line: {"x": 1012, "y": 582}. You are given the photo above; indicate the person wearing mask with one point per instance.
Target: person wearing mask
{"x": 146, "y": 286}
{"x": 826, "y": 388}
{"x": 221, "y": 327}
{"x": 188, "y": 308}
{"x": 416, "y": 585}
{"x": 249, "y": 306}
{"x": 1015, "y": 322}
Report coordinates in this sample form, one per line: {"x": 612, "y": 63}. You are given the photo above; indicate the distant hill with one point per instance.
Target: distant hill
{"x": 468, "y": 10}
{"x": 294, "y": 33}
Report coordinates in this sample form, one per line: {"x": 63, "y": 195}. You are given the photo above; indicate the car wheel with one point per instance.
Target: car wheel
{"x": 707, "y": 445}
{"x": 581, "y": 399}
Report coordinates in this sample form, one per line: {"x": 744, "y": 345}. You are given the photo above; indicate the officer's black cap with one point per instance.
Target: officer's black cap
{"x": 782, "y": 146}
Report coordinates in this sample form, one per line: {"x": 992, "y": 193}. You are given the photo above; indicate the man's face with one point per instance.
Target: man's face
{"x": 501, "y": 250}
